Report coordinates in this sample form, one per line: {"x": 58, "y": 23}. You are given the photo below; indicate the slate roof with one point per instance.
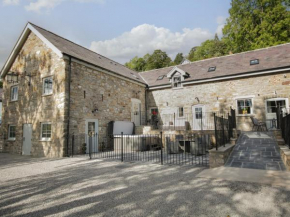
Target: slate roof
{"x": 235, "y": 64}
{"x": 82, "y": 53}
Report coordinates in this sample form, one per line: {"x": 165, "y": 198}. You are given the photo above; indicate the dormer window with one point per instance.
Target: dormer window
{"x": 177, "y": 82}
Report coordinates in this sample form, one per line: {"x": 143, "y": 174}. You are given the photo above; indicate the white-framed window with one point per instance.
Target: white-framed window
{"x": 180, "y": 112}
{"x": 14, "y": 93}
{"x": 47, "y": 86}
{"x": 45, "y": 131}
{"x": 11, "y": 132}
{"x": 176, "y": 82}
{"x": 245, "y": 106}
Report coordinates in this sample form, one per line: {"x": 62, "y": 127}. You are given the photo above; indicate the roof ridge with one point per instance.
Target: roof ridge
{"x": 244, "y": 52}
{"x": 81, "y": 46}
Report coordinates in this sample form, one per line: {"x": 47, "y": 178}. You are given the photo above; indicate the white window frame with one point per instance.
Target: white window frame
{"x": 11, "y": 91}
{"x": 11, "y": 138}
{"x": 43, "y": 89}
{"x": 245, "y": 98}
{"x": 173, "y": 82}
{"x": 178, "y": 113}
{"x": 41, "y": 128}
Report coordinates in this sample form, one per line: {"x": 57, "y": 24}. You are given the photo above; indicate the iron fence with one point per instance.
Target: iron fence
{"x": 189, "y": 149}
{"x": 224, "y": 125}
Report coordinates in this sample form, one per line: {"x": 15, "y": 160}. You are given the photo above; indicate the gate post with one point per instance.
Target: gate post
{"x": 215, "y": 132}
{"x": 72, "y": 145}
{"x": 161, "y": 148}
{"x": 223, "y": 127}
{"x": 122, "y": 157}
{"x": 201, "y": 127}
{"x": 90, "y": 145}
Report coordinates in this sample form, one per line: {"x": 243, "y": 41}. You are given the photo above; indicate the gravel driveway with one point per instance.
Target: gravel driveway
{"x": 79, "y": 187}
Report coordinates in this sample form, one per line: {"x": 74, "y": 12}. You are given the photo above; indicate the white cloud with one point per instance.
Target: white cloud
{"x": 221, "y": 23}
{"x": 38, "y": 5}
{"x": 147, "y": 38}
{"x": 10, "y": 2}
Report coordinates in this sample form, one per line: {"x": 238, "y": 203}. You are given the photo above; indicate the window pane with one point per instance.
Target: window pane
{"x": 12, "y": 131}
{"x": 47, "y": 86}
{"x": 46, "y": 131}
{"x": 248, "y": 102}
{"x": 180, "y": 112}
{"x": 241, "y": 103}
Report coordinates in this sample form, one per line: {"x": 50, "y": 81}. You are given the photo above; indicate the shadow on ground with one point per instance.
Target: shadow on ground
{"x": 79, "y": 187}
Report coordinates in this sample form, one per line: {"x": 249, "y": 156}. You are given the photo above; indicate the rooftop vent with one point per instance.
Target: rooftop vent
{"x": 254, "y": 62}
{"x": 160, "y": 77}
{"x": 211, "y": 69}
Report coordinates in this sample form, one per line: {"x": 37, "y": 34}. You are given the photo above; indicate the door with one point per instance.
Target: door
{"x": 271, "y": 108}
{"x": 136, "y": 112}
{"x": 27, "y": 136}
{"x": 92, "y": 126}
{"x": 199, "y": 117}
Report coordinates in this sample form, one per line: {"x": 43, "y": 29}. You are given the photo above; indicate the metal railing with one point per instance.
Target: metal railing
{"x": 285, "y": 128}
{"x": 224, "y": 125}
{"x": 178, "y": 149}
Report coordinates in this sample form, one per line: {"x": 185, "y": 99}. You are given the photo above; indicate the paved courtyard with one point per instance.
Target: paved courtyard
{"x": 79, "y": 187}
{"x": 256, "y": 150}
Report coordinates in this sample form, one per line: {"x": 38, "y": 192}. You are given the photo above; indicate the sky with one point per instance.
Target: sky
{"x": 118, "y": 29}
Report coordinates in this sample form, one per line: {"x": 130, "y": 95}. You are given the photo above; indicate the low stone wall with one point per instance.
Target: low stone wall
{"x": 219, "y": 157}
{"x": 285, "y": 155}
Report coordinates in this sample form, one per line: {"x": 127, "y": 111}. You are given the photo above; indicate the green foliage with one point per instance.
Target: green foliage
{"x": 178, "y": 59}
{"x": 158, "y": 59}
{"x": 208, "y": 49}
{"x": 257, "y": 24}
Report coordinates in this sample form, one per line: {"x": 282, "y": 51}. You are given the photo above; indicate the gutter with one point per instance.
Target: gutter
{"x": 68, "y": 106}
{"x": 277, "y": 70}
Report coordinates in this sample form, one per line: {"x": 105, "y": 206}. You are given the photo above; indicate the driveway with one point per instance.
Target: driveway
{"x": 79, "y": 187}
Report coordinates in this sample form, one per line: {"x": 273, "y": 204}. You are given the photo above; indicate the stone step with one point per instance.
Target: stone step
{"x": 280, "y": 142}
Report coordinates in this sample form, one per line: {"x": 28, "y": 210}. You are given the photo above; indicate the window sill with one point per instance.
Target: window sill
{"x": 11, "y": 140}
{"x": 13, "y": 100}
{"x": 45, "y": 140}
{"x": 246, "y": 115}
{"x": 177, "y": 88}
{"x": 47, "y": 94}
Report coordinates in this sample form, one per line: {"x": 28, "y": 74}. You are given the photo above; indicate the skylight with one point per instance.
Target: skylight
{"x": 160, "y": 77}
{"x": 211, "y": 69}
{"x": 254, "y": 62}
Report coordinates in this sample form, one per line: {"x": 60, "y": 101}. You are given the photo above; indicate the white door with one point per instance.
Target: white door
{"x": 92, "y": 126}
{"x": 271, "y": 108}
{"x": 136, "y": 112}
{"x": 27, "y": 136}
{"x": 199, "y": 120}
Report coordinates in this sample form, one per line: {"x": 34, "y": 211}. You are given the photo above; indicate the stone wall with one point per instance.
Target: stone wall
{"x": 93, "y": 89}
{"x": 220, "y": 96}
{"x": 219, "y": 157}
{"x": 32, "y": 107}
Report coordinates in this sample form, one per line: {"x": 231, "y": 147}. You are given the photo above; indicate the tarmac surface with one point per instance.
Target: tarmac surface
{"x": 82, "y": 187}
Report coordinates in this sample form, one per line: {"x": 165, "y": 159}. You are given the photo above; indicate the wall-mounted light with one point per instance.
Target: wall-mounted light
{"x": 197, "y": 99}
{"x": 95, "y": 110}
{"x": 217, "y": 98}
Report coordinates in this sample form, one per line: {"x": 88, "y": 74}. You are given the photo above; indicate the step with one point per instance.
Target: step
{"x": 280, "y": 142}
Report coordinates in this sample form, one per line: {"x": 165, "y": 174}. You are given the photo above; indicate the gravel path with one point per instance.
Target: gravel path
{"x": 79, "y": 187}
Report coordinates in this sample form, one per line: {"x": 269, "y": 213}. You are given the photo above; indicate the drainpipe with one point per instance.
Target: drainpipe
{"x": 68, "y": 106}
{"x": 146, "y": 109}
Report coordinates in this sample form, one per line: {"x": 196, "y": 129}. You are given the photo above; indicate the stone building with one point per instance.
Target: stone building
{"x": 62, "y": 89}
{"x": 54, "y": 88}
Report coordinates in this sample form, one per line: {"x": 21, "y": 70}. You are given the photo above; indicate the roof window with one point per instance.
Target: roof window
{"x": 160, "y": 77}
{"x": 254, "y": 62}
{"x": 211, "y": 69}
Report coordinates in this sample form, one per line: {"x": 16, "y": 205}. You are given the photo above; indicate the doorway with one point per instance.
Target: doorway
{"x": 199, "y": 121}
{"x": 92, "y": 126}
{"x": 27, "y": 136}
{"x": 271, "y": 109}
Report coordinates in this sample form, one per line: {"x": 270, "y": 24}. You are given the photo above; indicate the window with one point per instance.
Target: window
{"x": 198, "y": 113}
{"x": 154, "y": 111}
{"x": 47, "y": 86}
{"x": 254, "y": 62}
{"x": 211, "y": 69}
{"x": 177, "y": 81}
{"x": 245, "y": 106}
{"x": 45, "y": 131}
{"x": 11, "y": 132}
{"x": 180, "y": 112}
{"x": 160, "y": 77}
{"x": 273, "y": 105}
{"x": 14, "y": 93}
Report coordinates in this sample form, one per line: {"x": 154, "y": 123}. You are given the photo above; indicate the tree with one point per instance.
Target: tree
{"x": 208, "y": 49}
{"x": 137, "y": 63}
{"x": 178, "y": 59}
{"x": 257, "y": 24}
{"x": 157, "y": 60}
